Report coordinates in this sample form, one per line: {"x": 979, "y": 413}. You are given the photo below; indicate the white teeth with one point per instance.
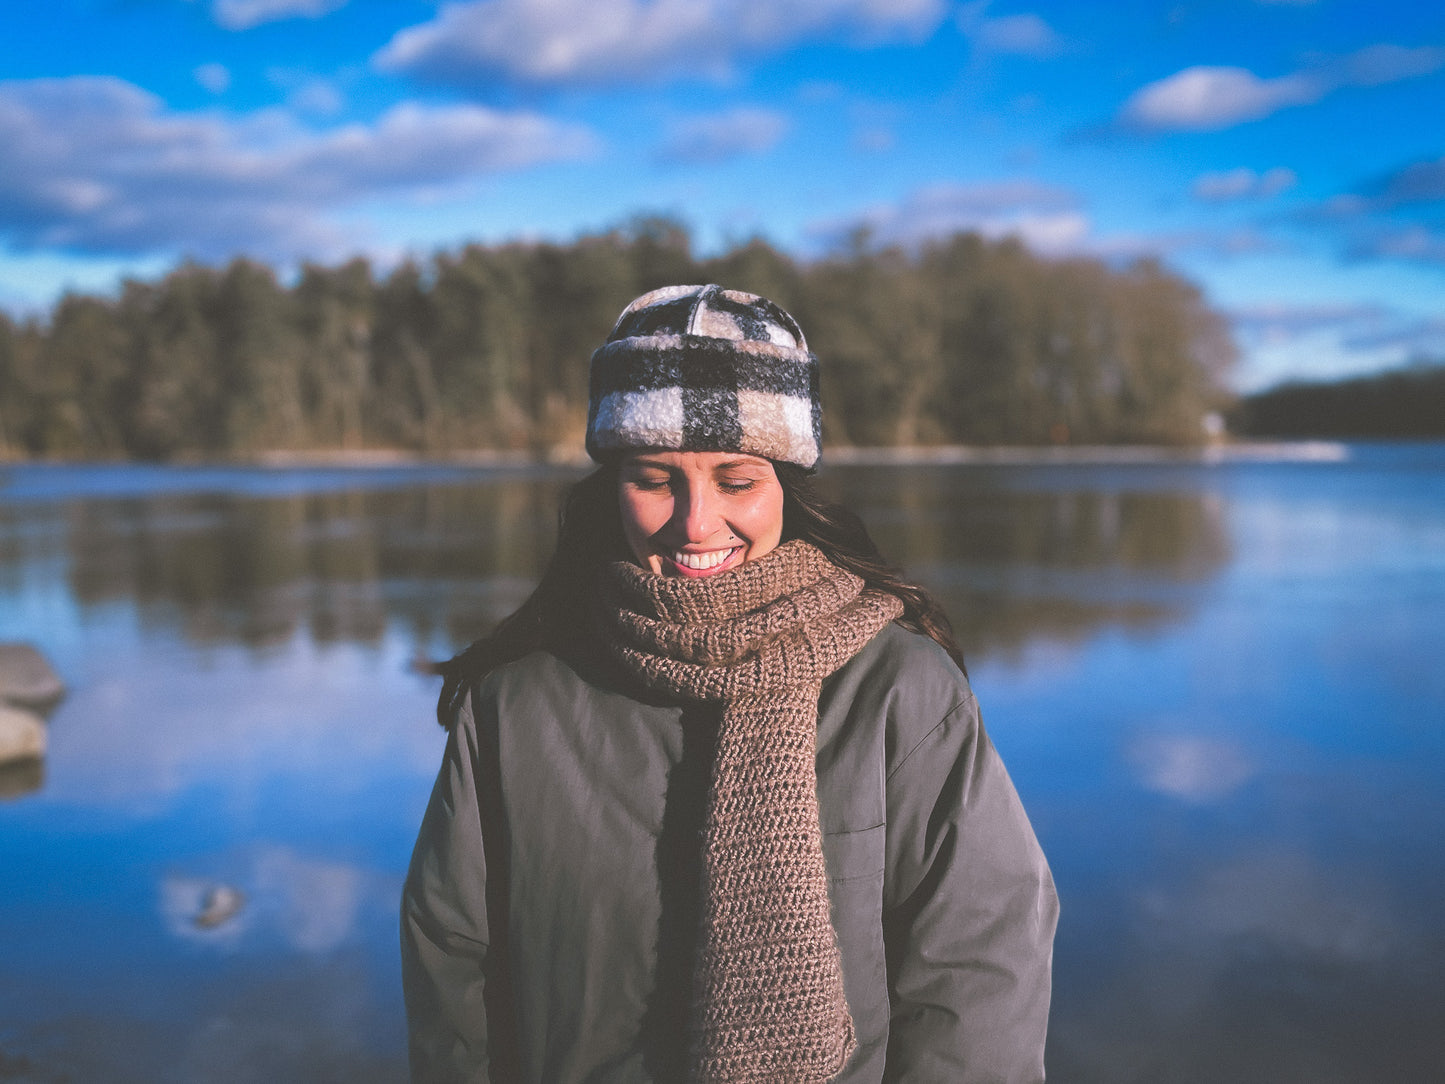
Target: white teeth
{"x": 701, "y": 562}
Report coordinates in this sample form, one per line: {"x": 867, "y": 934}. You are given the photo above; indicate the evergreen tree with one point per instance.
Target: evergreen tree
{"x": 259, "y": 358}
{"x": 964, "y": 340}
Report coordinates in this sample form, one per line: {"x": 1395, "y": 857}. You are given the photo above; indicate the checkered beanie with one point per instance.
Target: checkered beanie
{"x": 703, "y": 369}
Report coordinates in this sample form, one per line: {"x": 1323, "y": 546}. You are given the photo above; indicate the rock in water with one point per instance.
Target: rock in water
{"x": 22, "y": 735}
{"x": 17, "y": 779}
{"x": 26, "y": 678}
{"x": 221, "y": 904}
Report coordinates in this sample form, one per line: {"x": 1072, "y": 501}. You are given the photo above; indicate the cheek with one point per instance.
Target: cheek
{"x": 761, "y": 522}
{"x": 643, "y": 514}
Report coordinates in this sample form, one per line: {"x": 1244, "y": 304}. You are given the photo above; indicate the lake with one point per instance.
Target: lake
{"x": 1217, "y": 686}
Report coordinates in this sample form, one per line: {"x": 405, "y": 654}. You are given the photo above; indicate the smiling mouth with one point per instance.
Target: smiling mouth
{"x": 702, "y": 564}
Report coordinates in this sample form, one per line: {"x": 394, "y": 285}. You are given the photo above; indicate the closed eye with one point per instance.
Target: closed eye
{"x": 650, "y": 484}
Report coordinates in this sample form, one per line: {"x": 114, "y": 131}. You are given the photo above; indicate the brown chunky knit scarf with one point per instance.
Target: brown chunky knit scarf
{"x": 758, "y": 640}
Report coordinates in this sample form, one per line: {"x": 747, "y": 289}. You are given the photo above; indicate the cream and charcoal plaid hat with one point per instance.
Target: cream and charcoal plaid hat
{"x": 704, "y": 369}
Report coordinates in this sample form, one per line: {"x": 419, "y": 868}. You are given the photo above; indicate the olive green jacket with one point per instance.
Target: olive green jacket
{"x": 549, "y": 912}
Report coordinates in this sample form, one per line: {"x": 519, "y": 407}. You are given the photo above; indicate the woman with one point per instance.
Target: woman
{"x": 716, "y": 803}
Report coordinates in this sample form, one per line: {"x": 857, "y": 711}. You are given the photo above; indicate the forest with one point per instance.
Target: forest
{"x": 962, "y": 341}
{"x": 1401, "y": 404}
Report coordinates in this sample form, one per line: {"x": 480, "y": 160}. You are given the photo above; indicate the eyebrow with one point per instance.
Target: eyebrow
{"x": 645, "y": 464}
{"x": 729, "y": 464}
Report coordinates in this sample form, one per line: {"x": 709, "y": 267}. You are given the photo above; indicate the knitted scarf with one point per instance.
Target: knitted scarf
{"x": 758, "y": 641}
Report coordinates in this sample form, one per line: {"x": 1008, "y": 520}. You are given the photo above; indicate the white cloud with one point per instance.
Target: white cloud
{"x": 1025, "y": 34}
{"x": 1205, "y": 98}
{"x": 214, "y": 77}
{"x": 1381, "y": 220}
{"x": 722, "y": 136}
{"x": 1244, "y": 183}
{"x": 1191, "y": 768}
{"x": 96, "y": 164}
{"x": 1230, "y": 184}
{"x": 1345, "y": 206}
{"x": 1275, "y": 322}
{"x": 1388, "y": 64}
{"x": 1419, "y": 182}
{"x": 874, "y": 139}
{"x": 244, "y": 14}
{"x": 1330, "y": 340}
{"x": 1413, "y": 244}
{"x": 1413, "y": 336}
{"x": 1227, "y": 243}
{"x": 1354, "y": 328}
{"x": 317, "y": 96}
{"x": 594, "y": 42}
{"x": 1043, "y": 216}
{"x": 309, "y": 93}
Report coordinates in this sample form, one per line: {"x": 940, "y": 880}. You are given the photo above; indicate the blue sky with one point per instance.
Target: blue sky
{"x": 1287, "y": 155}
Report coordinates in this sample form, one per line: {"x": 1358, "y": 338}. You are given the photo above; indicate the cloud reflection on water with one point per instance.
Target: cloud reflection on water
{"x": 311, "y": 903}
{"x": 1191, "y": 768}
{"x": 1264, "y": 967}
{"x": 1283, "y": 899}
{"x": 151, "y": 722}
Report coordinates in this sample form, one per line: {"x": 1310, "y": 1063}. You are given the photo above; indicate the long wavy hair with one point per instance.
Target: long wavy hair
{"x": 555, "y": 618}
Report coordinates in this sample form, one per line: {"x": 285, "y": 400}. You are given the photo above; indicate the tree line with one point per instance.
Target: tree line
{"x": 1400, "y": 404}
{"x": 963, "y": 340}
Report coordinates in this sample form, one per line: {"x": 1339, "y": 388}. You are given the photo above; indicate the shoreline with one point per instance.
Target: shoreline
{"x": 1252, "y": 451}
{"x": 1281, "y": 451}
{"x": 1301, "y": 451}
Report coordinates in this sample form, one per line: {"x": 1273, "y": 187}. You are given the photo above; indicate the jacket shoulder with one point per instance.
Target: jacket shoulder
{"x": 909, "y": 683}
{"x": 539, "y": 666}
{"x": 546, "y": 685}
{"x": 524, "y": 677}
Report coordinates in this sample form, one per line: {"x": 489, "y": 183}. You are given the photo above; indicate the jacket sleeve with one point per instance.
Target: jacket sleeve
{"x": 969, "y": 915}
{"x": 447, "y": 963}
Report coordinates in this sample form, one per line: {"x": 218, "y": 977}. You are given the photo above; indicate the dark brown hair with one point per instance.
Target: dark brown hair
{"x": 589, "y": 535}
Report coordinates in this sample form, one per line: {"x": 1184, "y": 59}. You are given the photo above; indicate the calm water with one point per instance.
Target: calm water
{"x": 1218, "y": 689}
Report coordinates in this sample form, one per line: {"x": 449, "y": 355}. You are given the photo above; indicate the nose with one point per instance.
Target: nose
{"x": 697, "y": 514}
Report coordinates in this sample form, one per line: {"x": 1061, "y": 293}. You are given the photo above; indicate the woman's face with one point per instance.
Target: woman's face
{"x": 696, "y": 514}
